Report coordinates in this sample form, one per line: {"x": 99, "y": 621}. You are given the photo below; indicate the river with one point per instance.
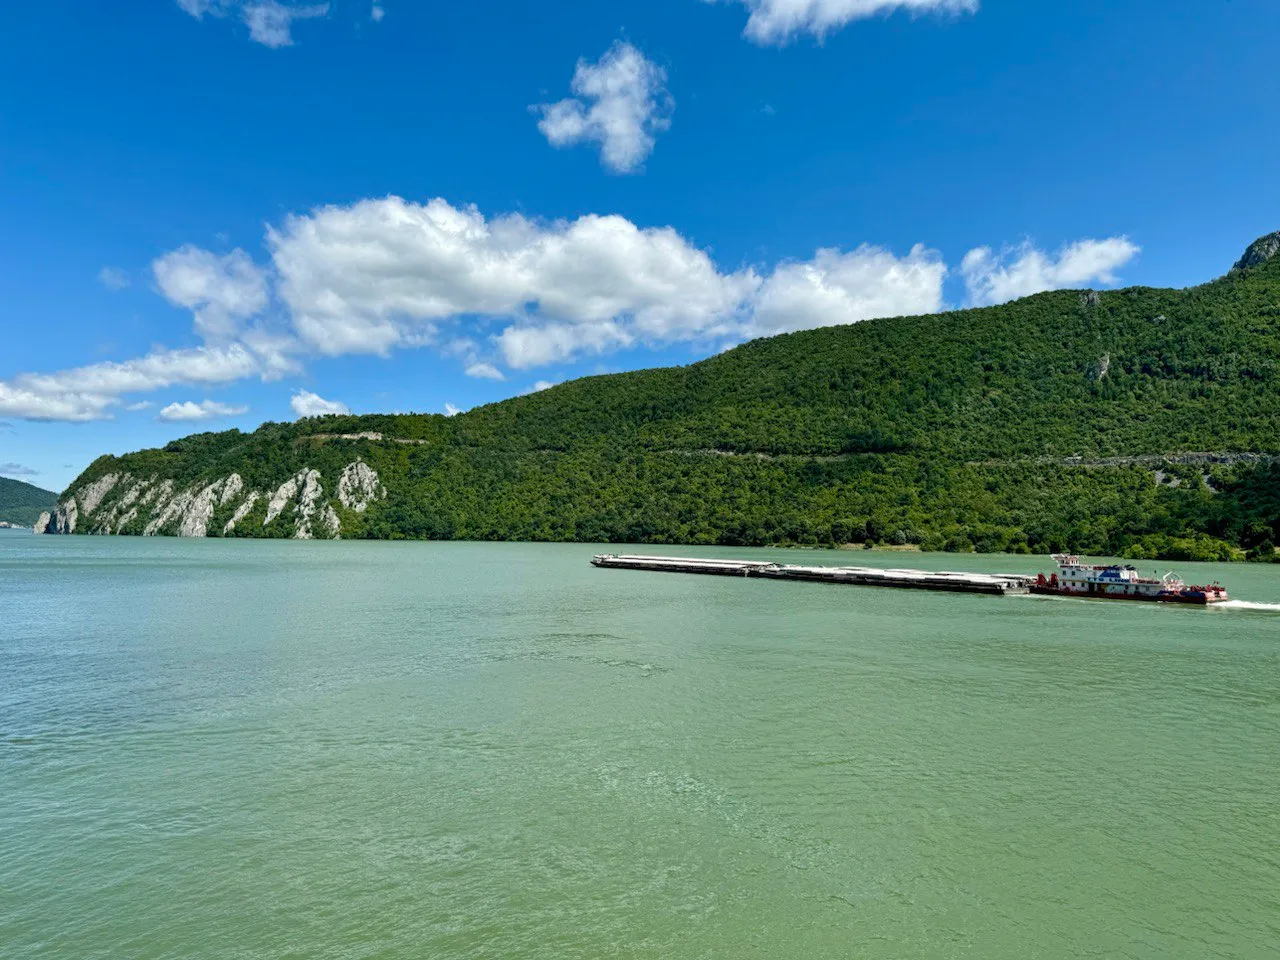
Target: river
{"x": 254, "y": 750}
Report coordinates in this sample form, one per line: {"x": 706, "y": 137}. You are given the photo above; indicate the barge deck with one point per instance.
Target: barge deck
{"x": 956, "y": 582}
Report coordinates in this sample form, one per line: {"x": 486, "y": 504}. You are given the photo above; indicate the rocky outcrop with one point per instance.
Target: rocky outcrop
{"x": 231, "y": 488}
{"x": 42, "y": 525}
{"x": 119, "y": 503}
{"x": 92, "y": 496}
{"x": 65, "y": 517}
{"x": 282, "y": 497}
{"x": 1259, "y": 252}
{"x": 242, "y": 511}
{"x": 359, "y": 486}
{"x": 303, "y": 493}
{"x": 199, "y": 511}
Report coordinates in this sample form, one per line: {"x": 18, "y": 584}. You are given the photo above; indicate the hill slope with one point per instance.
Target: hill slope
{"x": 1056, "y": 421}
{"x": 21, "y": 503}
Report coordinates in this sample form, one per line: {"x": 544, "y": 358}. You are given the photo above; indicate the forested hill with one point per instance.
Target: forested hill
{"x": 996, "y": 427}
{"x": 21, "y": 503}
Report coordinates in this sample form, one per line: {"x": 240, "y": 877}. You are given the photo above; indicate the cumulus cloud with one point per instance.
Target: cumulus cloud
{"x": 113, "y": 279}
{"x": 377, "y": 13}
{"x": 16, "y": 470}
{"x": 1021, "y": 271}
{"x": 835, "y": 288}
{"x": 386, "y": 273}
{"x": 307, "y": 404}
{"x": 780, "y": 21}
{"x": 451, "y": 411}
{"x": 90, "y": 392}
{"x": 189, "y": 412}
{"x": 270, "y": 22}
{"x": 485, "y": 371}
{"x": 621, "y": 103}
{"x": 222, "y": 291}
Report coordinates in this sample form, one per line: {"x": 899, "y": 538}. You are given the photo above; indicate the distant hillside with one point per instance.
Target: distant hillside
{"x": 1116, "y": 421}
{"x": 21, "y": 503}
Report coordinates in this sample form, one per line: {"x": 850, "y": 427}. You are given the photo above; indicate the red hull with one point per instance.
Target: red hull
{"x": 1193, "y": 599}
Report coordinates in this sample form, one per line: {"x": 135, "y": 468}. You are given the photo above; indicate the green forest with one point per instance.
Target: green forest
{"x": 1139, "y": 422}
{"x": 21, "y": 503}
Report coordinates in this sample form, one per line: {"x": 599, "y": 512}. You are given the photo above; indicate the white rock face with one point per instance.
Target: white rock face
{"x": 64, "y": 521}
{"x": 132, "y": 494}
{"x": 111, "y": 523}
{"x": 358, "y": 486}
{"x": 92, "y": 495}
{"x": 162, "y": 492}
{"x": 166, "y": 512}
{"x": 329, "y": 522}
{"x": 307, "y": 502}
{"x": 130, "y": 515}
{"x": 305, "y": 492}
{"x": 242, "y": 511}
{"x": 188, "y": 512}
{"x": 42, "y": 525}
{"x": 286, "y": 492}
{"x": 196, "y": 517}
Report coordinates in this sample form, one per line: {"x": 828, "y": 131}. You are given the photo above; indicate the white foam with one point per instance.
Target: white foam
{"x": 1248, "y": 605}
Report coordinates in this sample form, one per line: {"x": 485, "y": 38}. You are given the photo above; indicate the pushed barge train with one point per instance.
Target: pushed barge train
{"x": 1076, "y": 579}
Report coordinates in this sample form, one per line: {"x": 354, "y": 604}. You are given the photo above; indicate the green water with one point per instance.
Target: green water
{"x": 314, "y": 750}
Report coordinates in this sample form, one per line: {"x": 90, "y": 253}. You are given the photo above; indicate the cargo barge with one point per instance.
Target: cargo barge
{"x": 1073, "y": 579}
{"x": 860, "y": 576}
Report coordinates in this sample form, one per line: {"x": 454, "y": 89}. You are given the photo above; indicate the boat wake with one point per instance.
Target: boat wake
{"x": 1248, "y": 605}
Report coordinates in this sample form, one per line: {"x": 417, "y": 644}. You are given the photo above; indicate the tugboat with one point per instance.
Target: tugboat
{"x": 1115, "y": 582}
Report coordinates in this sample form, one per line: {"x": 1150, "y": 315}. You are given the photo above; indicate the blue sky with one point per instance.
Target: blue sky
{"x": 219, "y": 212}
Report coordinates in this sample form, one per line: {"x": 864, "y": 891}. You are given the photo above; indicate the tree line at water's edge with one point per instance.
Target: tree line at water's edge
{"x": 995, "y": 429}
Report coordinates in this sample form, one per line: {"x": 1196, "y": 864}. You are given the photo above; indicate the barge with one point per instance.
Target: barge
{"x": 1000, "y": 584}
{"x": 1073, "y": 579}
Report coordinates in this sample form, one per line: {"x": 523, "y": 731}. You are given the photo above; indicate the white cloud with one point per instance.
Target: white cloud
{"x": 221, "y": 290}
{"x": 780, "y": 21}
{"x": 540, "y": 386}
{"x": 386, "y": 273}
{"x": 622, "y": 104}
{"x": 140, "y": 405}
{"x": 485, "y": 371}
{"x": 835, "y": 288}
{"x": 198, "y": 8}
{"x": 188, "y": 412}
{"x": 307, "y": 404}
{"x": 451, "y": 411}
{"x": 377, "y": 13}
{"x": 113, "y": 279}
{"x": 271, "y": 23}
{"x": 1024, "y": 270}
{"x": 90, "y": 392}
{"x": 16, "y": 470}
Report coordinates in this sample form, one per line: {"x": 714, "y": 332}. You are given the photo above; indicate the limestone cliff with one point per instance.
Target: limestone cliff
{"x": 121, "y": 503}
